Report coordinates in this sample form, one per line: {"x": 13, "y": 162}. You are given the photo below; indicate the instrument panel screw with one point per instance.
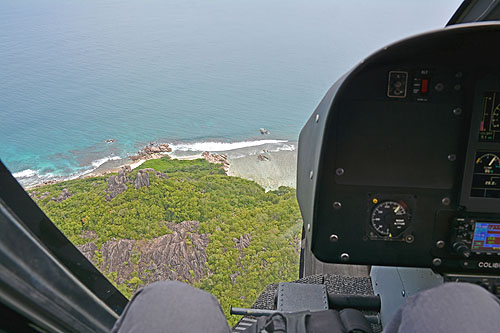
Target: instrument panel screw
{"x": 457, "y": 111}
{"x": 344, "y": 257}
{"x": 436, "y": 261}
{"x": 440, "y": 244}
{"x": 452, "y": 157}
{"x": 409, "y": 239}
{"x": 311, "y": 174}
{"x": 446, "y": 201}
{"x": 339, "y": 171}
{"x": 317, "y": 117}
{"x": 337, "y": 205}
{"x": 457, "y": 87}
{"x": 334, "y": 238}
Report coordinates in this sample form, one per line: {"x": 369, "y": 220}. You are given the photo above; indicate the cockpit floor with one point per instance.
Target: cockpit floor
{"x": 337, "y": 284}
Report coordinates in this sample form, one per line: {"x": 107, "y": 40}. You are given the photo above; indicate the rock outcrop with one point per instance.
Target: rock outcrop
{"x": 262, "y": 157}
{"x": 216, "y": 159}
{"x": 141, "y": 179}
{"x": 63, "y": 196}
{"x": 158, "y": 174}
{"x": 240, "y": 243}
{"x": 88, "y": 250}
{"x": 180, "y": 255}
{"x": 117, "y": 184}
{"x": 152, "y": 150}
{"x": 38, "y": 195}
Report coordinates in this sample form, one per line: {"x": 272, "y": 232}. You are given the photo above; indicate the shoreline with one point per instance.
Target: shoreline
{"x": 271, "y": 164}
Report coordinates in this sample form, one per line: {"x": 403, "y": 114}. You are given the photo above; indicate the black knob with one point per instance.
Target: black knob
{"x": 461, "y": 249}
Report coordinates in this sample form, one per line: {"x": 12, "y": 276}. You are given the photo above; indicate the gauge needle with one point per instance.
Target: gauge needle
{"x": 397, "y": 208}
{"x": 492, "y": 160}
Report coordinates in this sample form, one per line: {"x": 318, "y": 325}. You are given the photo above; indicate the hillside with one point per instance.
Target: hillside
{"x": 183, "y": 220}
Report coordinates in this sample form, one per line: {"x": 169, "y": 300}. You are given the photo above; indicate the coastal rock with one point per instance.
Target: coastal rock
{"x": 152, "y": 150}
{"x": 135, "y": 157}
{"x": 180, "y": 255}
{"x": 63, "y": 196}
{"x": 262, "y": 157}
{"x": 141, "y": 179}
{"x": 216, "y": 159}
{"x": 117, "y": 184}
{"x": 165, "y": 147}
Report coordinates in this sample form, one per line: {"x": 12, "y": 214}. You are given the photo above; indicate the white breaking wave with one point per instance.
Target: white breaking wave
{"x": 25, "y": 173}
{"x": 31, "y": 177}
{"x": 101, "y": 161}
{"x": 221, "y": 146}
{"x": 284, "y": 147}
{"x": 95, "y": 164}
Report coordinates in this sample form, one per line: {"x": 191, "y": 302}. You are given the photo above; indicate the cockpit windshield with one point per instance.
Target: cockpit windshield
{"x": 161, "y": 136}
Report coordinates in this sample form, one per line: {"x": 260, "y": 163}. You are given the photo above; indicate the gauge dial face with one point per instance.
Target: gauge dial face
{"x": 486, "y": 178}
{"x": 488, "y": 164}
{"x": 390, "y": 218}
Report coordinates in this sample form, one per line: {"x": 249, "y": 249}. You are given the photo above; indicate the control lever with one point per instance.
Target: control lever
{"x": 461, "y": 249}
{"x": 374, "y": 319}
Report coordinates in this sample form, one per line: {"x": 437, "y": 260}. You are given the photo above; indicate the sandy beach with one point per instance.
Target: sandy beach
{"x": 280, "y": 169}
{"x": 268, "y": 165}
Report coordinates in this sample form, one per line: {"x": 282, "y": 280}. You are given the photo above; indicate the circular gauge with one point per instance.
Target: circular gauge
{"x": 390, "y": 218}
{"x": 488, "y": 163}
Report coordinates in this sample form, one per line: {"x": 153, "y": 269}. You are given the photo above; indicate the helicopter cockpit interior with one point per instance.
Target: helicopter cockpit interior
{"x": 400, "y": 163}
{"x": 398, "y": 168}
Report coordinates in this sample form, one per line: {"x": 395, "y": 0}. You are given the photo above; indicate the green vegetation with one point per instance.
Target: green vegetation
{"x": 226, "y": 207}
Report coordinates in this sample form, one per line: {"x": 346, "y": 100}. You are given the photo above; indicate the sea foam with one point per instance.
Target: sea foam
{"x": 213, "y": 146}
{"x": 25, "y": 173}
{"x": 101, "y": 161}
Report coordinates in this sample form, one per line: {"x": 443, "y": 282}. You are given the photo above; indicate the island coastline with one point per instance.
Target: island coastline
{"x": 269, "y": 168}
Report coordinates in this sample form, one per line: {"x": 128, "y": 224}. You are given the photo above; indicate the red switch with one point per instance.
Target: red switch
{"x": 424, "y": 87}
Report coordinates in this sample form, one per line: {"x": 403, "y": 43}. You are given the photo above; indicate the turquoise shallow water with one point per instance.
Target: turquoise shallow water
{"x": 75, "y": 73}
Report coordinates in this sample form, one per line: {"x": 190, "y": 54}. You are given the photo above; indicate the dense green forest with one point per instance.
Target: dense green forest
{"x": 227, "y": 209}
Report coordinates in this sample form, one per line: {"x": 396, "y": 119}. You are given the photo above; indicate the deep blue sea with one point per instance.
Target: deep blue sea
{"x": 76, "y": 73}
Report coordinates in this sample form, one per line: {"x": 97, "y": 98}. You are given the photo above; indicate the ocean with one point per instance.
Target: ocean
{"x": 200, "y": 75}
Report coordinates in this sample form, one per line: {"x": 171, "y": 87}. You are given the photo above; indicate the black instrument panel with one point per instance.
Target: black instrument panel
{"x": 402, "y": 150}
